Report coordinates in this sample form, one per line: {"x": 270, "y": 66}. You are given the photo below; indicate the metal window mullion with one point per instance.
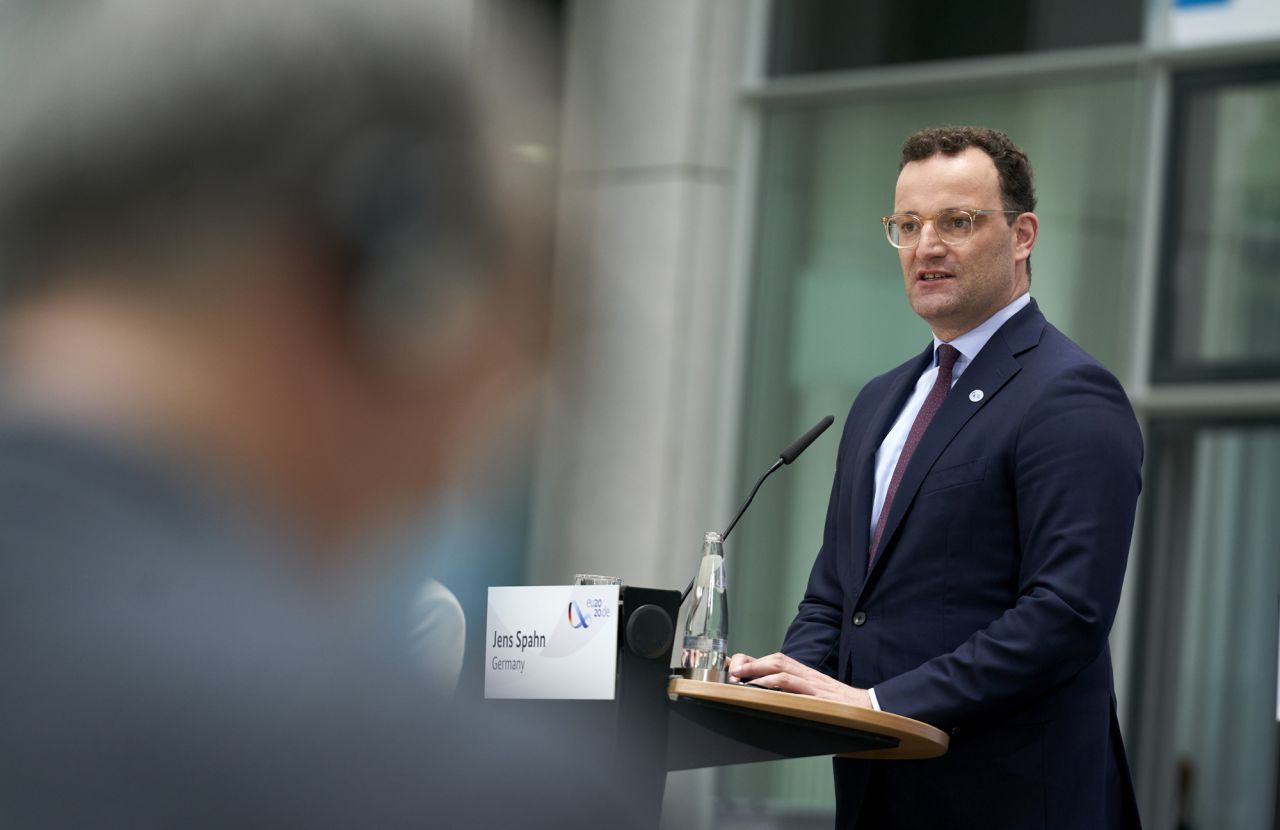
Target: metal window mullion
{"x": 1158, "y": 82}
{"x": 1227, "y": 53}
{"x": 1028, "y": 69}
{"x": 1210, "y": 400}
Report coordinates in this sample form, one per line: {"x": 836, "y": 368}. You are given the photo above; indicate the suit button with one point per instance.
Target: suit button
{"x": 859, "y": 618}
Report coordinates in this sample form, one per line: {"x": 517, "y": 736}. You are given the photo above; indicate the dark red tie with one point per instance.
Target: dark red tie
{"x": 947, "y": 355}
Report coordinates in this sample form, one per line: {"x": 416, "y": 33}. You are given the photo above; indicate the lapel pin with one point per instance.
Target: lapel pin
{"x": 975, "y": 395}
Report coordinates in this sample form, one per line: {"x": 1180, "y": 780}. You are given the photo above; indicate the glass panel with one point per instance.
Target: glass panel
{"x": 827, "y": 35}
{"x": 830, "y": 313}
{"x": 1208, "y": 756}
{"x": 1223, "y": 239}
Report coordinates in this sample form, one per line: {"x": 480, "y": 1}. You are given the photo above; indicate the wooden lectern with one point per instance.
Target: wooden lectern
{"x": 659, "y": 723}
{"x": 717, "y": 724}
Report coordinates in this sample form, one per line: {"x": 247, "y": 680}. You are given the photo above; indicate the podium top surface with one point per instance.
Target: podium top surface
{"x": 915, "y": 739}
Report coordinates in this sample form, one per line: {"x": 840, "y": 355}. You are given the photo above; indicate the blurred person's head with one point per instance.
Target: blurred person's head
{"x": 276, "y": 236}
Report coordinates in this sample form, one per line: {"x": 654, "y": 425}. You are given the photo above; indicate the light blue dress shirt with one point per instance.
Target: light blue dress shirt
{"x": 968, "y": 344}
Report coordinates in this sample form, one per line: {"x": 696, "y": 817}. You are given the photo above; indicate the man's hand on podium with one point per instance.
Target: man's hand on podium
{"x": 778, "y": 671}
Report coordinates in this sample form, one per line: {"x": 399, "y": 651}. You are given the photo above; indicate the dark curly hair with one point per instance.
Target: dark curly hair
{"x": 1017, "y": 191}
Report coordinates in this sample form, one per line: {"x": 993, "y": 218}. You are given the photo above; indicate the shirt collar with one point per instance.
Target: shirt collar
{"x": 972, "y": 341}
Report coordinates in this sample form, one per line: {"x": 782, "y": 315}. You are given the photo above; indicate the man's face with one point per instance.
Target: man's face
{"x": 954, "y": 288}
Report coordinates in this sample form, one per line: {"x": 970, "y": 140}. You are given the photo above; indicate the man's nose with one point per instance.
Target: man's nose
{"x": 930, "y": 243}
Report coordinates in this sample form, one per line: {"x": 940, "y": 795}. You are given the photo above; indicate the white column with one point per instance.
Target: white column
{"x": 631, "y": 467}
{"x": 633, "y": 460}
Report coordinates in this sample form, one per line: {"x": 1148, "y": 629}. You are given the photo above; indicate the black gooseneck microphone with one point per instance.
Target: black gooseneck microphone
{"x": 788, "y": 455}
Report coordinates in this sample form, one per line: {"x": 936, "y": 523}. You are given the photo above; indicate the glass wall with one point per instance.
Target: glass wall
{"x": 1205, "y": 747}
{"x": 1207, "y": 705}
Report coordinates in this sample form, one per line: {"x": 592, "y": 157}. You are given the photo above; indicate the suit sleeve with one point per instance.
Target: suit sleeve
{"x": 1076, "y": 474}
{"x": 813, "y": 637}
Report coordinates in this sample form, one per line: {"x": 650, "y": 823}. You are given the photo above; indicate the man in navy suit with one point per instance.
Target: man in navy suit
{"x": 978, "y": 529}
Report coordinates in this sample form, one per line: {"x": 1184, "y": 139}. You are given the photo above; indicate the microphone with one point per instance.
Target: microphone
{"x": 787, "y": 456}
{"x": 802, "y": 443}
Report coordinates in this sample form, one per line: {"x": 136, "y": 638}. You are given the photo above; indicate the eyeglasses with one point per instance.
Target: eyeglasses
{"x": 954, "y": 226}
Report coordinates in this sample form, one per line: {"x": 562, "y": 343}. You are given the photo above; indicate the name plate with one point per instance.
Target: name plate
{"x": 552, "y": 642}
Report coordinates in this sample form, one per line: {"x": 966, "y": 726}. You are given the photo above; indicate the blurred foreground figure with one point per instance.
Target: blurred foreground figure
{"x": 261, "y": 288}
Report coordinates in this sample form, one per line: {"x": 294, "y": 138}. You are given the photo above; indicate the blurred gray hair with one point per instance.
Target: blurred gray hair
{"x": 358, "y": 126}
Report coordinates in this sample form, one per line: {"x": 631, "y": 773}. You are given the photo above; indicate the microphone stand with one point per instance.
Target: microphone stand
{"x": 788, "y": 455}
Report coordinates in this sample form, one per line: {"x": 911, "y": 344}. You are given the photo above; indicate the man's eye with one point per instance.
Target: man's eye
{"x": 959, "y": 222}
{"x": 908, "y": 227}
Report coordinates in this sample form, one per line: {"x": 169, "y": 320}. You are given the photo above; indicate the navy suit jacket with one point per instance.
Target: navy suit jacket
{"x": 985, "y": 610}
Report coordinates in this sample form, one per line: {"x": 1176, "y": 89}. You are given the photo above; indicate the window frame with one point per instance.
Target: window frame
{"x": 1165, "y": 368}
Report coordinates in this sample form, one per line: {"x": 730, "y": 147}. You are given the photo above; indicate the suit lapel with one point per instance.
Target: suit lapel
{"x": 864, "y": 466}
{"x": 993, "y": 367}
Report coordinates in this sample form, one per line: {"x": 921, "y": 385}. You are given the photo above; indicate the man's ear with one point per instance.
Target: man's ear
{"x": 1026, "y": 229}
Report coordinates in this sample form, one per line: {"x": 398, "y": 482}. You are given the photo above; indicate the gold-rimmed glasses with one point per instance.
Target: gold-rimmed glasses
{"x": 953, "y": 225}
